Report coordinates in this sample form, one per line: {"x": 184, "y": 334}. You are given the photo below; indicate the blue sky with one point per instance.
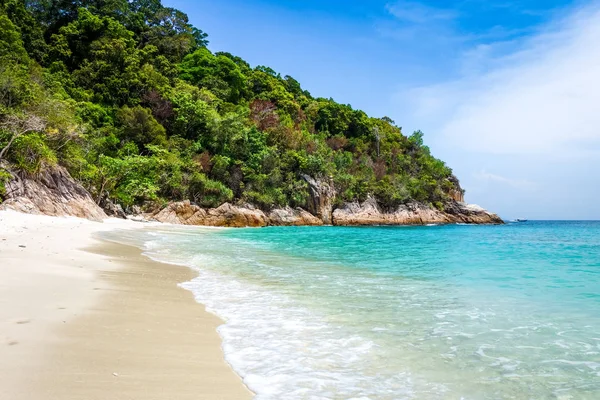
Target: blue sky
{"x": 505, "y": 91}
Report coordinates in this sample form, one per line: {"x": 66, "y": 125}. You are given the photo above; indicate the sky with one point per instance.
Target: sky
{"x": 506, "y": 92}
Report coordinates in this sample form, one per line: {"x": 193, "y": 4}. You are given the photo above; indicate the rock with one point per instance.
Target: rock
{"x": 52, "y": 192}
{"x": 181, "y": 213}
{"x": 113, "y": 210}
{"x": 369, "y": 213}
{"x": 236, "y": 217}
{"x": 471, "y": 214}
{"x": 322, "y": 196}
{"x": 457, "y": 193}
{"x": 293, "y": 217}
{"x": 352, "y": 214}
{"x": 134, "y": 210}
{"x": 137, "y": 218}
{"x": 226, "y": 215}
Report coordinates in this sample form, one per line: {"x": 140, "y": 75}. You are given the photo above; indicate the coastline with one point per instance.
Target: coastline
{"x": 82, "y": 318}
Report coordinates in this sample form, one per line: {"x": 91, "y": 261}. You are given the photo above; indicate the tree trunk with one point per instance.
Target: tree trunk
{"x": 5, "y": 149}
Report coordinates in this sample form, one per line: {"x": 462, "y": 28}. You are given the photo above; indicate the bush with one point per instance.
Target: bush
{"x": 266, "y": 199}
{"x": 5, "y": 176}
{"x": 31, "y": 154}
{"x": 208, "y": 193}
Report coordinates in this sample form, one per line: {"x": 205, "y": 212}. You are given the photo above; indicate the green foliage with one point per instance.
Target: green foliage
{"x": 31, "y": 154}
{"x": 139, "y": 126}
{"x": 32, "y": 33}
{"x": 139, "y": 110}
{"x": 15, "y": 87}
{"x": 5, "y": 176}
{"x": 207, "y": 192}
{"x": 218, "y": 73}
{"x": 11, "y": 43}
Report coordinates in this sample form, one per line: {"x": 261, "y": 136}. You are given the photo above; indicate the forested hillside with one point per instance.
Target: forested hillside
{"x": 127, "y": 96}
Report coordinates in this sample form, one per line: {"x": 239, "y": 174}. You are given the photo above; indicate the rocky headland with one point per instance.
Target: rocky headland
{"x": 55, "y": 193}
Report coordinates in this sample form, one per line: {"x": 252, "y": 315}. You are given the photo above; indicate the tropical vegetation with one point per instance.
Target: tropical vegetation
{"x": 127, "y": 96}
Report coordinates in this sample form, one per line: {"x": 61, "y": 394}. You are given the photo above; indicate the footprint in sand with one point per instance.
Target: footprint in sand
{"x": 22, "y": 321}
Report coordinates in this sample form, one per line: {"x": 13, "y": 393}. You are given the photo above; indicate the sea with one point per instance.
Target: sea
{"x": 429, "y": 312}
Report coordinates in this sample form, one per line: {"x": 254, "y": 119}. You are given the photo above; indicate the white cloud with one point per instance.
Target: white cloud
{"x": 541, "y": 99}
{"x": 523, "y": 184}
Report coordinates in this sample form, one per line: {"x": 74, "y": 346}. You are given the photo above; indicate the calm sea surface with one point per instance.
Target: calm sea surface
{"x": 440, "y": 312}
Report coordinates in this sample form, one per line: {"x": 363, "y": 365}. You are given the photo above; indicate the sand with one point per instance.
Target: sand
{"x": 83, "y": 319}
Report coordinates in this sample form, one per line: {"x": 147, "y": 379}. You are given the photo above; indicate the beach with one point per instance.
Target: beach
{"x": 86, "y": 319}
{"x": 385, "y": 313}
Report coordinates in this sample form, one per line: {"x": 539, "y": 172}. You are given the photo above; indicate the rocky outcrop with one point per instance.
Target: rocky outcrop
{"x": 351, "y": 214}
{"x": 369, "y": 213}
{"x": 112, "y": 209}
{"x": 227, "y": 215}
{"x": 293, "y": 217}
{"x": 322, "y": 196}
{"x": 52, "y": 192}
{"x": 471, "y": 214}
{"x": 186, "y": 213}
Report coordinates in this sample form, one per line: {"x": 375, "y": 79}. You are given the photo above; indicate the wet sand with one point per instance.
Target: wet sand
{"x": 100, "y": 323}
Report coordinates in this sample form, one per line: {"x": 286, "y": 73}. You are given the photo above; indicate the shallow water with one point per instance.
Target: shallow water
{"x": 442, "y": 312}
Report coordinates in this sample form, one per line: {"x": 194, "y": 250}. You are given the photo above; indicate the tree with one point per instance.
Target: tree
{"x": 143, "y": 12}
{"x": 170, "y": 31}
{"x": 32, "y": 32}
{"x": 139, "y": 126}
{"x": 219, "y": 74}
{"x": 11, "y": 43}
{"x": 377, "y": 136}
{"x": 102, "y": 57}
{"x": 54, "y": 14}
{"x": 264, "y": 114}
{"x": 17, "y": 126}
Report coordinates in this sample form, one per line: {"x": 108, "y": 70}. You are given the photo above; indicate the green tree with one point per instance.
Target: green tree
{"x": 102, "y": 56}
{"x": 139, "y": 126}
{"x": 219, "y": 74}
{"x": 12, "y": 50}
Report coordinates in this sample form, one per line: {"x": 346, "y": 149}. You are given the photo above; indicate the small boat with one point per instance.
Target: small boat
{"x": 521, "y": 220}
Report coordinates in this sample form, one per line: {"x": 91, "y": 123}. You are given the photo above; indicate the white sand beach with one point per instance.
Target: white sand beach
{"x": 83, "y": 319}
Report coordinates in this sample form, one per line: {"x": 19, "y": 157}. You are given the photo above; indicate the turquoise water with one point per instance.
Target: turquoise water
{"x": 440, "y": 312}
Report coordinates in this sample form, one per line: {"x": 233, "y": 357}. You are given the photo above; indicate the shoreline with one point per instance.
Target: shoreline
{"x": 85, "y": 318}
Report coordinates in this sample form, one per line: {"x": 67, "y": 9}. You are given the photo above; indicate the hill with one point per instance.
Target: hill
{"x": 129, "y": 99}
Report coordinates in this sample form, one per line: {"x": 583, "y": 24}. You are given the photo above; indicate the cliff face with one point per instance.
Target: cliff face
{"x": 53, "y": 192}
